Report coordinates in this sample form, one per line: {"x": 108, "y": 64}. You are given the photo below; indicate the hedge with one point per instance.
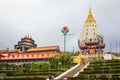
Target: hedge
{"x": 26, "y": 78}
{"x": 33, "y": 73}
{"x": 103, "y": 77}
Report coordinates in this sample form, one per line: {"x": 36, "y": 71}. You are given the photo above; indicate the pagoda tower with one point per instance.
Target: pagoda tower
{"x": 26, "y": 43}
{"x": 90, "y": 39}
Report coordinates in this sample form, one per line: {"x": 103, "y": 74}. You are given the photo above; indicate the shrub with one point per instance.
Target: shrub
{"x": 103, "y": 77}
{"x": 76, "y": 78}
{"x": 92, "y": 77}
{"x": 88, "y": 69}
{"x": 80, "y": 77}
{"x": 32, "y": 73}
{"x": 114, "y": 78}
{"x": 26, "y": 78}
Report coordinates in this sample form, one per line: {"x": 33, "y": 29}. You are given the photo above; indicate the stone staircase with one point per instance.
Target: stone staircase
{"x": 71, "y": 72}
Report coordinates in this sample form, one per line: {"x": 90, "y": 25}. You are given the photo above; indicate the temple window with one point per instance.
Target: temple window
{"x": 90, "y": 39}
{"x": 42, "y": 54}
{"x": 17, "y": 55}
{"x": 13, "y": 56}
{"x": 95, "y": 39}
{"x": 28, "y": 55}
{"x": 32, "y": 55}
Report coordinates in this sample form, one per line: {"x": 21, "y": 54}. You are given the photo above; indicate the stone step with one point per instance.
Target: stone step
{"x": 72, "y": 72}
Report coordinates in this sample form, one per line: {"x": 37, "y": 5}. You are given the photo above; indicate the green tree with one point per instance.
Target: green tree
{"x": 43, "y": 65}
{"x": 64, "y": 60}
{"x": 54, "y": 61}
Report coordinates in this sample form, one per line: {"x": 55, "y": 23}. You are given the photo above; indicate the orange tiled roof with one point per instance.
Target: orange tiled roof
{"x": 14, "y": 51}
{"x": 44, "y": 48}
{"x": 3, "y": 51}
{"x": 9, "y": 51}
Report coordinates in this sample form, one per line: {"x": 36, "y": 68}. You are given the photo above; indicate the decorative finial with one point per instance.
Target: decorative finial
{"x": 27, "y": 36}
{"x": 90, "y": 11}
{"x": 90, "y": 8}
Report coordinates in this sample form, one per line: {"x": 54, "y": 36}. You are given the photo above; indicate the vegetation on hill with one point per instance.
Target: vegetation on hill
{"x": 100, "y": 70}
{"x": 39, "y": 70}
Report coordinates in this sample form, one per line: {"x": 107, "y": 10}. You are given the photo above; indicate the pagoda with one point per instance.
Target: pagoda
{"x": 26, "y": 43}
{"x": 90, "y": 39}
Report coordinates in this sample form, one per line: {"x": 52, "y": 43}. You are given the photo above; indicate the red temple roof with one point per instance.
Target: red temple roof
{"x": 83, "y": 46}
{"x": 92, "y": 43}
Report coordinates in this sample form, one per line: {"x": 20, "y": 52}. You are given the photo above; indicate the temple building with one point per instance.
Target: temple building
{"x": 26, "y": 43}
{"x": 90, "y": 39}
{"x": 27, "y": 51}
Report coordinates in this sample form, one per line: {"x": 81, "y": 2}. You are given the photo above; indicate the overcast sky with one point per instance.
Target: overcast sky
{"x": 44, "y": 19}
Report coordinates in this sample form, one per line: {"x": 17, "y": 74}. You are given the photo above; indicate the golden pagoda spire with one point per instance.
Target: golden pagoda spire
{"x": 90, "y": 13}
{"x": 90, "y": 18}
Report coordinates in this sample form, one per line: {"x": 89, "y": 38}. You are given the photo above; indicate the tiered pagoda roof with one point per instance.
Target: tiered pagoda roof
{"x": 26, "y": 43}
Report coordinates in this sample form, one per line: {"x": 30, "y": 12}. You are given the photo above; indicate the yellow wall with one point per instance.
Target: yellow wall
{"x": 78, "y": 59}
